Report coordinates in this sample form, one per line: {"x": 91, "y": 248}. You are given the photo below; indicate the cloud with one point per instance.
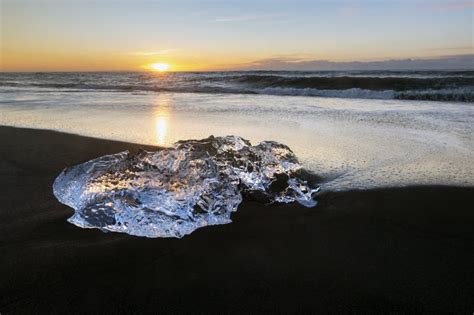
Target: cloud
{"x": 452, "y": 5}
{"x": 459, "y": 62}
{"x": 467, "y": 48}
{"x": 162, "y": 52}
{"x": 241, "y": 18}
{"x": 351, "y": 10}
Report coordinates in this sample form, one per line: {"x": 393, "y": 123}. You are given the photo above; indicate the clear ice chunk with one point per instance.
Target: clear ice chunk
{"x": 176, "y": 190}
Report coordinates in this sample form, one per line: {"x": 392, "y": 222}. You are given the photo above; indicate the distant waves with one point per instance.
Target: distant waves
{"x": 432, "y": 86}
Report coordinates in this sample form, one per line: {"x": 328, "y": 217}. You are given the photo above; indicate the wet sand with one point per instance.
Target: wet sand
{"x": 404, "y": 250}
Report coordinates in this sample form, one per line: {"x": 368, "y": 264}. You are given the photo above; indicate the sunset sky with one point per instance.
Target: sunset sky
{"x": 48, "y": 35}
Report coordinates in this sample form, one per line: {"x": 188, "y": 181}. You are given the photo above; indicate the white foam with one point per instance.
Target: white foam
{"x": 348, "y": 93}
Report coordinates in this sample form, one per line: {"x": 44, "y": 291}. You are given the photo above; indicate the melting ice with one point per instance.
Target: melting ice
{"x": 174, "y": 191}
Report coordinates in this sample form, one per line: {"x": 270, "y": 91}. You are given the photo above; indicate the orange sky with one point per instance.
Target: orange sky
{"x": 80, "y": 35}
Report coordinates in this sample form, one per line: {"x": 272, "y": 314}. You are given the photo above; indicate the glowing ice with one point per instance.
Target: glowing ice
{"x": 174, "y": 191}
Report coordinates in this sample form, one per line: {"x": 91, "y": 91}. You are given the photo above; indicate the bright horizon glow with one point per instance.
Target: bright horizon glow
{"x": 160, "y": 67}
{"x": 94, "y": 35}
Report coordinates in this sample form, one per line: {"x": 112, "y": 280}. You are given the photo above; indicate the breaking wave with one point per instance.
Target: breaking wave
{"x": 349, "y": 93}
{"x": 457, "y": 95}
{"x": 349, "y": 82}
{"x": 174, "y": 191}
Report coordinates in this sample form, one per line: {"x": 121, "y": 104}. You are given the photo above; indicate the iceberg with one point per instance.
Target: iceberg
{"x": 174, "y": 191}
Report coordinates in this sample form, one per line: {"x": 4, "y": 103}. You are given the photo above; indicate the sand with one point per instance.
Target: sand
{"x": 407, "y": 249}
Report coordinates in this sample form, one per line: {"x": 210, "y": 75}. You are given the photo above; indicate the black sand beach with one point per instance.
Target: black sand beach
{"x": 390, "y": 250}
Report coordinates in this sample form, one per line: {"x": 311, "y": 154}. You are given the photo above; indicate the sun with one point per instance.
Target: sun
{"x": 160, "y": 67}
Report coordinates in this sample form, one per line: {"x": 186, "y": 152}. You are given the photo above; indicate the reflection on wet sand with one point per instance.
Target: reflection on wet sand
{"x": 162, "y": 113}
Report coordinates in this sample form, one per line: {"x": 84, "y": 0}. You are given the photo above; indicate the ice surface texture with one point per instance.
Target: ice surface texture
{"x": 174, "y": 191}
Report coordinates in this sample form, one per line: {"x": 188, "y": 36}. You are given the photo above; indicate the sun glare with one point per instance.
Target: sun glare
{"x": 160, "y": 67}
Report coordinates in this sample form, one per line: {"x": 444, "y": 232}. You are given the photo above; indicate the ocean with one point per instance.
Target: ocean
{"x": 357, "y": 130}
{"x": 414, "y": 85}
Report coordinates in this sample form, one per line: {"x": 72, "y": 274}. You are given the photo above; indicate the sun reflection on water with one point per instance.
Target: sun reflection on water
{"x": 161, "y": 127}
{"x": 162, "y": 113}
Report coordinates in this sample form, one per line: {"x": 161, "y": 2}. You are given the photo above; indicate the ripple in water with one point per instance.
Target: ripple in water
{"x": 174, "y": 191}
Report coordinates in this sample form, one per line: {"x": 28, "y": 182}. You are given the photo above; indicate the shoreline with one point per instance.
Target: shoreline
{"x": 117, "y": 145}
{"x": 404, "y": 249}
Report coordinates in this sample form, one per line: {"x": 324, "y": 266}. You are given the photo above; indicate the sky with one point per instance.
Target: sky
{"x": 114, "y": 35}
